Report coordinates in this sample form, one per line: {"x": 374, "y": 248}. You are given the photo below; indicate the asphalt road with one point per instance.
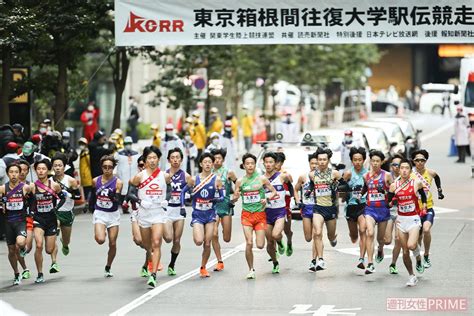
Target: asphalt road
{"x": 81, "y": 289}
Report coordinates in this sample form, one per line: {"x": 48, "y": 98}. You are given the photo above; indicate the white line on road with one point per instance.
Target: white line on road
{"x": 444, "y": 210}
{"x": 151, "y": 294}
{"x": 436, "y": 132}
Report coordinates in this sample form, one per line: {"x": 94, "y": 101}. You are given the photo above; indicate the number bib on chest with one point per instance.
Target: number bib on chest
{"x": 175, "y": 198}
{"x": 203, "y": 204}
{"x": 376, "y": 196}
{"x": 251, "y": 197}
{"x": 14, "y": 204}
{"x": 322, "y": 190}
{"x": 407, "y": 208}
{"x": 104, "y": 202}
{"x": 44, "y": 206}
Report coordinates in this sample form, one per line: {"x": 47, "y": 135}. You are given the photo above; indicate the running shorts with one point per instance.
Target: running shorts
{"x": 13, "y": 230}
{"x": 203, "y": 217}
{"x": 430, "y": 214}
{"x": 109, "y": 219}
{"x": 379, "y": 214}
{"x": 147, "y": 217}
{"x": 65, "y": 218}
{"x": 327, "y": 212}
{"x": 174, "y": 213}
{"x": 256, "y": 220}
{"x": 307, "y": 211}
{"x": 353, "y": 211}
{"x": 407, "y": 223}
{"x": 47, "y": 222}
{"x": 274, "y": 214}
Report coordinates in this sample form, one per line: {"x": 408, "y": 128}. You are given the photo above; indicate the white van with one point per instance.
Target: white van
{"x": 431, "y": 100}
{"x": 466, "y": 90}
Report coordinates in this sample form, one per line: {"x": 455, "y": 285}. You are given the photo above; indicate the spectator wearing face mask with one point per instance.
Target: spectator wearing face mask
{"x": 170, "y": 141}
{"x": 90, "y": 120}
{"x": 215, "y": 142}
{"x": 127, "y": 165}
{"x": 190, "y": 154}
{"x": 85, "y": 168}
{"x": 227, "y": 142}
{"x": 345, "y": 148}
{"x": 29, "y": 154}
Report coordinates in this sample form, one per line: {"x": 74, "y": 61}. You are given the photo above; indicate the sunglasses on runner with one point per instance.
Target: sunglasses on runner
{"x": 141, "y": 165}
{"x": 395, "y": 165}
{"x": 107, "y": 167}
{"x": 419, "y": 160}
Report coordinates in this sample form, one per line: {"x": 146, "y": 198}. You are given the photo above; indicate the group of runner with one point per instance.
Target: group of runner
{"x": 399, "y": 200}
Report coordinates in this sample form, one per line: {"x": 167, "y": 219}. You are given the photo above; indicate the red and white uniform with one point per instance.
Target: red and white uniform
{"x": 408, "y": 208}
{"x": 152, "y": 194}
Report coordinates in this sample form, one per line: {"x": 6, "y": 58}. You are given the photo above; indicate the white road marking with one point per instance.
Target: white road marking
{"x": 444, "y": 210}
{"x": 355, "y": 251}
{"x": 324, "y": 310}
{"x": 436, "y": 132}
{"x": 151, "y": 294}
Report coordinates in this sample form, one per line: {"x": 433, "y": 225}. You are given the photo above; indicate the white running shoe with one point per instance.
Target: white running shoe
{"x": 321, "y": 265}
{"x": 251, "y": 275}
{"x": 412, "y": 281}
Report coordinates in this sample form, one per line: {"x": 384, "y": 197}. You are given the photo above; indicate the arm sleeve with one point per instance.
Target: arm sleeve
{"x": 422, "y": 195}
{"x": 93, "y": 198}
{"x": 132, "y": 194}
{"x": 390, "y": 196}
{"x": 76, "y": 194}
{"x": 437, "y": 181}
{"x": 62, "y": 200}
{"x": 221, "y": 194}
{"x": 291, "y": 189}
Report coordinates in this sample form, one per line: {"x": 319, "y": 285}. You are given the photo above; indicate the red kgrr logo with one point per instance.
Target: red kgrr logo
{"x": 137, "y": 23}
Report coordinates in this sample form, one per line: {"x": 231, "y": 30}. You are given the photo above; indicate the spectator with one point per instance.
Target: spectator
{"x": 287, "y": 128}
{"x": 90, "y": 120}
{"x": 127, "y": 166}
{"x": 119, "y": 142}
{"x": 85, "y": 169}
{"x": 96, "y": 151}
{"x": 18, "y": 130}
{"x": 31, "y": 157}
{"x": 156, "y": 140}
{"x": 461, "y": 134}
{"x": 198, "y": 134}
{"x": 247, "y": 128}
{"x": 228, "y": 143}
{"x": 132, "y": 120}
{"x": 11, "y": 153}
{"x": 70, "y": 152}
{"x": 446, "y": 103}
{"x": 215, "y": 122}
{"x": 190, "y": 154}
{"x": 168, "y": 142}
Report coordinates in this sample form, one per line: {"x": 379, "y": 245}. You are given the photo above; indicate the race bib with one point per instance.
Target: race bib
{"x": 175, "y": 198}
{"x": 322, "y": 190}
{"x": 251, "y": 197}
{"x": 14, "y": 204}
{"x": 203, "y": 205}
{"x": 44, "y": 206}
{"x": 104, "y": 203}
{"x": 407, "y": 208}
{"x": 276, "y": 202}
{"x": 377, "y": 196}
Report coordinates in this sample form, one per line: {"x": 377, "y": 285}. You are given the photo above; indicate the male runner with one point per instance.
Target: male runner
{"x": 70, "y": 188}
{"x": 404, "y": 190}
{"x": 149, "y": 190}
{"x": 306, "y": 205}
{"x": 289, "y": 192}
{"x": 355, "y": 206}
{"x": 25, "y": 169}
{"x": 14, "y": 194}
{"x": 391, "y": 227}
{"x": 106, "y": 219}
{"x": 175, "y": 225}
{"x": 426, "y": 176}
{"x": 45, "y": 225}
{"x": 207, "y": 190}
{"x": 224, "y": 209}
{"x": 376, "y": 212}
{"x": 275, "y": 209}
{"x": 324, "y": 182}
{"x": 251, "y": 188}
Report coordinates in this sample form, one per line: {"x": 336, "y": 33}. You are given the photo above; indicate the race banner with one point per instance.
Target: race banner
{"x": 230, "y": 22}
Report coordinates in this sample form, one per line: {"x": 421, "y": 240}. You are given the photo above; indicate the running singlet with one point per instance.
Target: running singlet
{"x": 252, "y": 192}
{"x": 202, "y": 198}
{"x": 223, "y": 174}
{"x": 407, "y": 198}
{"x": 376, "y": 189}
{"x": 15, "y": 205}
{"x": 153, "y": 192}
{"x": 105, "y": 193}
{"x": 426, "y": 180}
{"x": 178, "y": 181}
{"x": 356, "y": 183}
{"x": 277, "y": 203}
{"x": 45, "y": 201}
{"x": 322, "y": 188}
{"x": 307, "y": 200}
{"x": 69, "y": 203}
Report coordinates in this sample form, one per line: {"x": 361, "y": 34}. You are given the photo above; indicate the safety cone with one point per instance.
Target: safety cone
{"x": 453, "y": 150}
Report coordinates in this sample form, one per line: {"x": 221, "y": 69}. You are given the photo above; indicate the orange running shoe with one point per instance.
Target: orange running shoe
{"x": 219, "y": 266}
{"x": 204, "y": 273}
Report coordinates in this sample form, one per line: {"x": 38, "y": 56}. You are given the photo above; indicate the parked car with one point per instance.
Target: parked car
{"x": 393, "y": 132}
{"x": 377, "y": 103}
{"x": 412, "y": 140}
{"x": 377, "y": 139}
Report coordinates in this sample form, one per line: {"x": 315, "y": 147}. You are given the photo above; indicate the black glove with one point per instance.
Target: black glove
{"x": 4, "y": 199}
{"x": 182, "y": 212}
{"x": 440, "y": 194}
{"x": 380, "y": 190}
